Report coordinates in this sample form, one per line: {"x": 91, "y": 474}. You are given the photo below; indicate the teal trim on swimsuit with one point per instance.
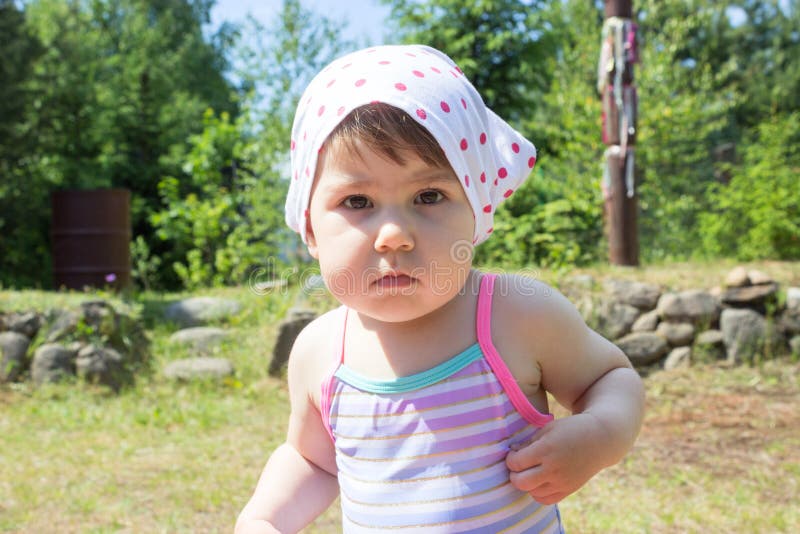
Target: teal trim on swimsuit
{"x": 409, "y": 383}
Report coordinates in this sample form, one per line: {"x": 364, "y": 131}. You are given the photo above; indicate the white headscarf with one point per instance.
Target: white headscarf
{"x": 490, "y": 158}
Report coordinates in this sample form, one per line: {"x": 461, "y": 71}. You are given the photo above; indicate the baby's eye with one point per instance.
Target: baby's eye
{"x": 430, "y": 196}
{"x": 357, "y": 202}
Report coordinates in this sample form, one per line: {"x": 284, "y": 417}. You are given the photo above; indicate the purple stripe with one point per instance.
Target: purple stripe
{"x": 364, "y": 405}
{"x": 390, "y": 472}
{"x": 518, "y": 517}
{"x": 388, "y": 427}
{"x": 447, "y": 514}
{"x": 429, "y": 444}
{"x": 358, "y": 402}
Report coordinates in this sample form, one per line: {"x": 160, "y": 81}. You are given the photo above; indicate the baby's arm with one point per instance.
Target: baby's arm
{"x": 592, "y": 378}
{"x": 299, "y": 482}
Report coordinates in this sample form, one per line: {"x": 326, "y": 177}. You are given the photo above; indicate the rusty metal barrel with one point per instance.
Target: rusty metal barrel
{"x": 91, "y": 234}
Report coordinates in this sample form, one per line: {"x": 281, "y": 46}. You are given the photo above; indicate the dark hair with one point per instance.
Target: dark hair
{"x": 388, "y": 131}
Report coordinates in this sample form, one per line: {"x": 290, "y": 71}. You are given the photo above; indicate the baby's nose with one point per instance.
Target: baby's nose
{"x": 394, "y": 234}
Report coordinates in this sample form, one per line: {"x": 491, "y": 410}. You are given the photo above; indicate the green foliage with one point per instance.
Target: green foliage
{"x": 497, "y": 43}
{"x": 683, "y": 116}
{"x": 103, "y": 91}
{"x": 224, "y": 217}
{"x": 555, "y": 219}
{"x": 24, "y": 255}
{"x": 757, "y": 215}
{"x": 221, "y": 220}
{"x": 132, "y": 93}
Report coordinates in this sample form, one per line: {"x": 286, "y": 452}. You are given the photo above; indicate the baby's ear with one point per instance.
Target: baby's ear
{"x": 311, "y": 240}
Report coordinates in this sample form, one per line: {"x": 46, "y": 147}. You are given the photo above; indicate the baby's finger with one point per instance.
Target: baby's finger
{"x": 547, "y": 496}
{"x": 528, "y": 480}
{"x": 526, "y": 457}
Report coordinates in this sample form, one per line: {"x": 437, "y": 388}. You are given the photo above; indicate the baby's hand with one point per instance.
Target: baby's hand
{"x": 558, "y": 460}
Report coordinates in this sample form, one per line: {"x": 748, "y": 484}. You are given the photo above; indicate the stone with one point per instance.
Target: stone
{"x": 201, "y": 368}
{"x": 198, "y": 311}
{"x": 638, "y": 294}
{"x": 643, "y": 348}
{"x": 709, "y": 346}
{"x": 615, "y": 319}
{"x": 52, "y": 363}
{"x": 101, "y": 365}
{"x": 582, "y": 281}
{"x": 676, "y": 334}
{"x": 758, "y": 278}
{"x": 750, "y": 296}
{"x": 794, "y": 346}
{"x": 710, "y": 337}
{"x": 61, "y": 325}
{"x": 288, "y": 330}
{"x": 25, "y": 323}
{"x": 200, "y": 338}
{"x": 586, "y": 307}
{"x": 744, "y": 332}
{"x": 647, "y": 322}
{"x": 693, "y": 306}
{"x": 13, "y": 348}
{"x": 716, "y": 292}
{"x": 737, "y": 277}
{"x": 789, "y": 322}
{"x": 793, "y": 298}
{"x": 100, "y": 316}
{"x": 678, "y": 357}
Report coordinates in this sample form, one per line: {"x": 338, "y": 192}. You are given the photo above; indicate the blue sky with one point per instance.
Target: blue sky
{"x": 365, "y": 18}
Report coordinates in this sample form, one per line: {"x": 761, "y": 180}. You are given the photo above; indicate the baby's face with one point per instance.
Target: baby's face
{"x": 393, "y": 241}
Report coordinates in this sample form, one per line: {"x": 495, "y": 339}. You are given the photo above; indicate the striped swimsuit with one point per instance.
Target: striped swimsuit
{"x": 426, "y": 453}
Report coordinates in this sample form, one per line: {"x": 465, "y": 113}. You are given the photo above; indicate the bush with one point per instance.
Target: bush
{"x": 757, "y": 215}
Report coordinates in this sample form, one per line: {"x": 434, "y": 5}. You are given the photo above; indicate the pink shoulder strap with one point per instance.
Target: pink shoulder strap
{"x": 337, "y": 355}
{"x": 499, "y": 367}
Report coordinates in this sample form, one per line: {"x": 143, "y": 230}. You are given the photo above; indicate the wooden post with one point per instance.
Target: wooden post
{"x": 616, "y": 85}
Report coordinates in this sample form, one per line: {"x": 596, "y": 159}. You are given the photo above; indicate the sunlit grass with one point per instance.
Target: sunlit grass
{"x": 719, "y": 451}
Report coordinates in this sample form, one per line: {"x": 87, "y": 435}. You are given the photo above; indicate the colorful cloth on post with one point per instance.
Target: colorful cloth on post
{"x": 490, "y": 158}
{"x": 425, "y": 453}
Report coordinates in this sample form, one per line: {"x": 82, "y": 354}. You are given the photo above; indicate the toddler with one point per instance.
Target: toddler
{"x": 422, "y": 400}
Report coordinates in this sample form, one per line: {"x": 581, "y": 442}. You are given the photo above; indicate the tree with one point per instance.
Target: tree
{"x": 118, "y": 86}
{"x": 23, "y": 252}
{"x": 225, "y": 218}
{"x": 757, "y": 215}
{"x": 499, "y": 44}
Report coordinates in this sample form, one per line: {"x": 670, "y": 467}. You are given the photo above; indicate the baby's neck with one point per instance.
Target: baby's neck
{"x": 412, "y": 346}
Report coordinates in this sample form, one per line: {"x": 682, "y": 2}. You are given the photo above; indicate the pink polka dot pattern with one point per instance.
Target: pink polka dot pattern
{"x": 433, "y": 91}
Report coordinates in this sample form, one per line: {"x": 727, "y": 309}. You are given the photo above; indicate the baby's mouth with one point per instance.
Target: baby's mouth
{"x": 394, "y": 280}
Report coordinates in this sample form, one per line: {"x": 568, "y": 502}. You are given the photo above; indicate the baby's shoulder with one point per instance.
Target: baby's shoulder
{"x": 313, "y": 353}
{"x": 532, "y": 305}
{"x": 315, "y": 339}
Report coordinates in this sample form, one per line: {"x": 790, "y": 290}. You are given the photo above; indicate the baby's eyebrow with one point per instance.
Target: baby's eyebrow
{"x": 436, "y": 176}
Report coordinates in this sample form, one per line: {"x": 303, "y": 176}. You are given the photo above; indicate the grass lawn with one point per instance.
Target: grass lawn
{"x": 719, "y": 452}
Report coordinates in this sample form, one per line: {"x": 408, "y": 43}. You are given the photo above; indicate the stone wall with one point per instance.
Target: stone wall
{"x": 746, "y": 318}
{"x": 93, "y": 341}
